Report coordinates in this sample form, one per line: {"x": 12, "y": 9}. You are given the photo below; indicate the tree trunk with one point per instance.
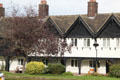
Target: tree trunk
{"x": 25, "y": 60}
{"x": 7, "y": 63}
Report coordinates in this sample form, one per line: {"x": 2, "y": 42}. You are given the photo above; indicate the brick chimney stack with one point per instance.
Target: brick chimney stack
{"x": 92, "y": 8}
{"x": 2, "y": 10}
{"x": 43, "y": 9}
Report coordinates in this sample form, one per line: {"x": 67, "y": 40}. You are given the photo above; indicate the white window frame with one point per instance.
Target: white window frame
{"x": 20, "y": 61}
{"x": 86, "y": 42}
{"x": 117, "y": 42}
{"x": 74, "y": 41}
{"x": 106, "y": 42}
{"x": 74, "y": 63}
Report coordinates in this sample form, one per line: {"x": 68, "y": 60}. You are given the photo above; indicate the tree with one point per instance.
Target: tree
{"x": 33, "y": 36}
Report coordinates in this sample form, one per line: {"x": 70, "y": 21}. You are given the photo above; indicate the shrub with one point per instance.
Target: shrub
{"x": 68, "y": 73}
{"x": 35, "y": 67}
{"x": 115, "y": 70}
{"x": 56, "y": 68}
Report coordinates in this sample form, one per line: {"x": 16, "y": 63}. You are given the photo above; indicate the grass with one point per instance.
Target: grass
{"x": 14, "y": 76}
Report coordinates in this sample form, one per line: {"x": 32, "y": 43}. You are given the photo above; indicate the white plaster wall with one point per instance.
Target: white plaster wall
{"x": 69, "y": 68}
{"x": 108, "y": 52}
{"x": 102, "y": 68}
{"x": 14, "y": 63}
{"x": 103, "y": 52}
{"x": 85, "y": 66}
{"x": 2, "y": 62}
{"x": 80, "y": 50}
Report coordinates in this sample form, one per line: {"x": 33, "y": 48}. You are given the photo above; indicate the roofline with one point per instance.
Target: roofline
{"x": 102, "y": 27}
{"x": 80, "y": 19}
{"x": 56, "y": 26}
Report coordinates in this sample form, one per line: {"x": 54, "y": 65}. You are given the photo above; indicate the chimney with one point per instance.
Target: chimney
{"x": 43, "y": 9}
{"x": 2, "y": 10}
{"x": 92, "y": 8}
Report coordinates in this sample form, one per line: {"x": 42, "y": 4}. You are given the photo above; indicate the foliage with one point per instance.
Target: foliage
{"x": 28, "y": 34}
{"x": 68, "y": 73}
{"x": 35, "y": 67}
{"x": 115, "y": 70}
{"x": 56, "y": 68}
{"x": 2, "y": 67}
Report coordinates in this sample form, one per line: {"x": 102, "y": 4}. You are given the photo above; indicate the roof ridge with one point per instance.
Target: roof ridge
{"x": 104, "y": 22}
{"x": 87, "y": 24}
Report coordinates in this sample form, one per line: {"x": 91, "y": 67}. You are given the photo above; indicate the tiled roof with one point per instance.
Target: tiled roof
{"x": 95, "y": 24}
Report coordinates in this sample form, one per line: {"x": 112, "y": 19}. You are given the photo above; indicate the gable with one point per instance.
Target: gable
{"x": 97, "y": 22}
{"x": 53, "y": 28}
{"x": 78, "y": 30}
{"x": 64, "y": 22}
{"x": 110, "y": 30}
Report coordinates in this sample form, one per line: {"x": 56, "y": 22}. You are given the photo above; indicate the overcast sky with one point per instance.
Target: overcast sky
{"x": 65, "y": 7}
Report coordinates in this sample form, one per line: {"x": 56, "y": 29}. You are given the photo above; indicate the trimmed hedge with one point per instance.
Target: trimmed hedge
{"x": 35, "y": 67}
{"x": 55, "y": 68}
{"x": 115, "y": 70}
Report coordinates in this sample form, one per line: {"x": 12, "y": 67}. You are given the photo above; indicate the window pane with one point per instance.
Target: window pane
{"x": 72, "y": 63}
{"x": 90, "y": 63}
{"x": 72, "y": 41}
{"x": 85, "y": 42}
{"x": 75, "y": 42}
{"x": 88, "y": 42}
{"x": 76, "y": 63}
{"x": 21, "y": 61}
{"x": 108, "y": 42}
{"x": 104, "y": 42}
{"x": 117, "y": 42}
{"x": 98, "y": 63}
{"x": 18, "y": 61}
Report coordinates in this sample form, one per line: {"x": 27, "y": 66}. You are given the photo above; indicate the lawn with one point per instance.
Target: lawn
{"x": 13, "y": 76}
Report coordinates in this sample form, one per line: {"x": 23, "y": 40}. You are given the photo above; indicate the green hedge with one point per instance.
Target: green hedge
{"x": 115, "y": 70}
{"x": 55, "y": 68}
{"x": 35, "y": 67}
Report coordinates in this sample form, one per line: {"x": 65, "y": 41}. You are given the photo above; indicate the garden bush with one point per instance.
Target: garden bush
{"x": 56, "y": 68}
{"x": 35, "y": 67}
{"x": 115, "y": 70}
{"x": 67, "y": 74}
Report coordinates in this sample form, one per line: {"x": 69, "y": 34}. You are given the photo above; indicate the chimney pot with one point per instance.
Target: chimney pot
{"x": 92, "y": 0}
{"x": 43, "y": 2}
{"x": 1, "y": 5}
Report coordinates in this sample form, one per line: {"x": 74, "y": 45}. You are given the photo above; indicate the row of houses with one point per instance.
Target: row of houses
{"x": 95, "y": 38}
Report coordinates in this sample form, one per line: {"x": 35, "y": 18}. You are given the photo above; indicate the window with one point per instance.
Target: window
{"x": 74, "y": 42}
{"x": 118, "y": 42}
{"x": 20, "y": 61}
{"x": 45, "y": 61}
{"x": 74, "y": 63}
{"x": 106, "y": 42}
{"x": 86, "y": 42}
{"x": 93, "y": 63}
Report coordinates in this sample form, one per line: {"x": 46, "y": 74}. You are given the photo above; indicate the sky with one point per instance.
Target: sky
{"x": 65, "y": 7}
